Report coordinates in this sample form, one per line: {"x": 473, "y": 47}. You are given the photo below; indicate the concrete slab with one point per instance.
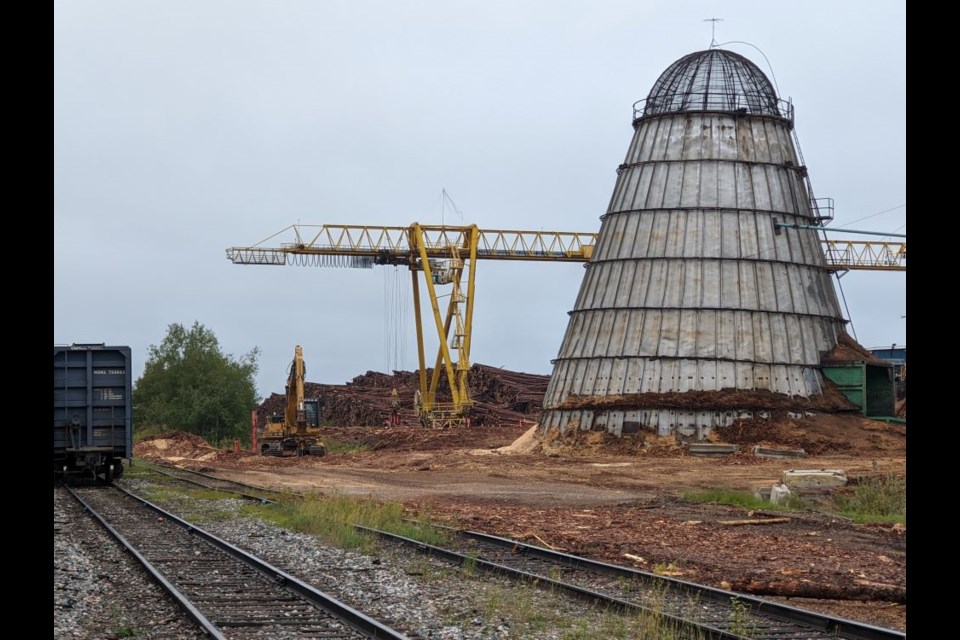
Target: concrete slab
{"x": 776, "y": 494}
{"x": 768, "y": 452}
{"x": 711, "y": 449}
{"x": 814, "y": 478}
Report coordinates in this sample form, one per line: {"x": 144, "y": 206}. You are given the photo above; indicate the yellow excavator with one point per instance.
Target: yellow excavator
{"x": 297, "y": 430}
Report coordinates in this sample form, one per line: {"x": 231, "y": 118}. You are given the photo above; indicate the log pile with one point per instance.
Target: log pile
{"x": 500, "y": 396}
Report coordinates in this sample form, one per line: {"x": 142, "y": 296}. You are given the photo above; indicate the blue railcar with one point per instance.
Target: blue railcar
{"x": 92, "y": 410}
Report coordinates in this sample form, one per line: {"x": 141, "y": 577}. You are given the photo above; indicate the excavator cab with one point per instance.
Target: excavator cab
{"x": 312, "y": 410}
{"x": 312, "y": 444}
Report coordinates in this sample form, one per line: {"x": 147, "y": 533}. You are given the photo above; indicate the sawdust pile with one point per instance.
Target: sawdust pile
{"x": 529, "y": 442}
{"x": 849, "y": 350}
{"x": 180, "y": 446}
{"x": 575, "y": 442}
{"x": 815, "y": 434}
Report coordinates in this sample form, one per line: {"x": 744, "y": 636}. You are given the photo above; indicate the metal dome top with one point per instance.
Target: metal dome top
{"x": 712, "y": 80}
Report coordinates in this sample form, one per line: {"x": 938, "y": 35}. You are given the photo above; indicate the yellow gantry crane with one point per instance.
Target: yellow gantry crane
{"x": 443, "y": 253}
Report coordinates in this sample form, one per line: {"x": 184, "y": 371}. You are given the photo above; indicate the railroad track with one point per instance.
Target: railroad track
{"x": 231, "y": 594}
{"x": 703, "y": 611}
{"x": 696, "y": 611}
{"x": 262, "y": 495}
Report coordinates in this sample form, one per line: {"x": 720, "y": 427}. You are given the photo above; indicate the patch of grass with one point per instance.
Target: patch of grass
{"x": 743, "y": 499}
{"x": 876, "y": 498}
{"x": 740, "y": 623}
{"x": 139, "y": 469}
{"x": 470, "y": 565}
{"x": 212, "y": 516}
{"x": 165, "y": 493}
{"x": 338, "y": 446}
{"x": 667, "y": 569}
{"x": 333, "y": 517}
{"x": 122, "y": 628}
{"x": 629, "y": 586}
{"x": 521, "y": 610}
{"x": 421, "y": 567}
{"x": 159, "y": 493}
{"x": 208, "y": 494}
{"x": 516, "y": 604}
{"x": 637, "y": 626}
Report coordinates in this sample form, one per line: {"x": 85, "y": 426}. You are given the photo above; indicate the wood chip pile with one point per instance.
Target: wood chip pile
{"x": 500, "y": 397}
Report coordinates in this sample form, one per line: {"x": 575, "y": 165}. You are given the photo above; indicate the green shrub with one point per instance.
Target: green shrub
{"x": 742, "y": 499}
{"x": 876, "y": 498}
{"x": 333, "y": 518}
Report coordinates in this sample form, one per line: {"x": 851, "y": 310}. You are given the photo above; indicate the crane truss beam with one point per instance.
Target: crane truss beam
{"x": 865, "y": 255}
{"x": 392, "y": 245}
{"x": 364, "y": 246}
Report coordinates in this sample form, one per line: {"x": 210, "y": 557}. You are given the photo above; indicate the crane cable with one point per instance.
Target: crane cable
{"x": 395, "y": 301}
{"x": 846, "y": 308}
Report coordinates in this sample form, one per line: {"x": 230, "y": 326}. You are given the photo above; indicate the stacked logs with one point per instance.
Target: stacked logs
{"x": 499, "y": 397}
{"x": 521, "y": 392}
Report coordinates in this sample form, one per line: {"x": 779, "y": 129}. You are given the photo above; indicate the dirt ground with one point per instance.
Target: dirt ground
{"x": 620, "y": 500}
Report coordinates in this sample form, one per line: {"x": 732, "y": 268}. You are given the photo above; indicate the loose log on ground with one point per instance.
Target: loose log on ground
{"x": 799, "y": 589}
{"x": 737, "y": 523}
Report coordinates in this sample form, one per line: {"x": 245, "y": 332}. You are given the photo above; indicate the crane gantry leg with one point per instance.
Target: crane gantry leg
{"x": 457, "y": 372}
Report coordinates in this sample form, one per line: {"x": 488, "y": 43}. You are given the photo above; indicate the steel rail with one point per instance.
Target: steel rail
{"x": 813, "y": 625}
{"x": 843, "y": 628}
{"x": 174, "y": 470}
{"x": 351, "y": 617}
{"x": 208, "y": 627}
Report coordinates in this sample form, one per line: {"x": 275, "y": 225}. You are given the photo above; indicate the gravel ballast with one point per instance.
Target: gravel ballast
{"x": 101, "y": 592}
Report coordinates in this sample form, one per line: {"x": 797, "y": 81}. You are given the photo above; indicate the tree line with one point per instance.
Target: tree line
{"x": 189, "y": 384}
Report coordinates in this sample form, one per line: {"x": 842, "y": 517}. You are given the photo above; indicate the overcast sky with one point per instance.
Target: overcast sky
{"x": 183, "y": 128}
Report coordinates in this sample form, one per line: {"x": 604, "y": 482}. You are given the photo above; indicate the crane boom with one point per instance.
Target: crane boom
{"x": 323, "y": 245}
{"x": 396, "y": 245}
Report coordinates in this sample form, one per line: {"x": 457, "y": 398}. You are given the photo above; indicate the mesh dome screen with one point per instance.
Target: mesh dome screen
{"x": 712, "y": 80}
